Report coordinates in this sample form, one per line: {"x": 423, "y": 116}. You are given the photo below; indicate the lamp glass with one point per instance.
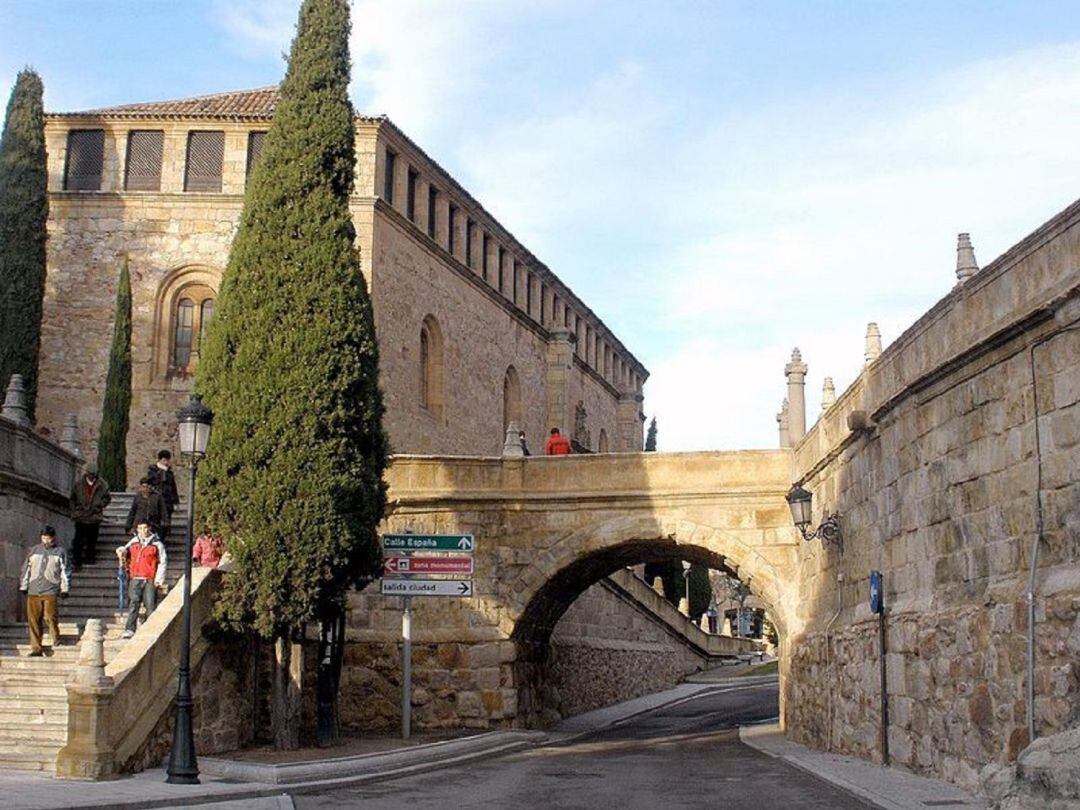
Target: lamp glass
{"x": 800, "y": 502}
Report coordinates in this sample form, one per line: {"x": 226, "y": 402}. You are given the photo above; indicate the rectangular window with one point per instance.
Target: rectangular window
{"x": 502, "y": 262}
{"x": 388, "y": 177}
{"x": 432, "y": 205}
{"x": 410, "y": 195}
{"x": 486, "y": 248}
{"x": 543, "y": 304}
{"x": 514, "y": 279}
{"x": 528, "y": 294}
{"x": 452, "y": 225}
{"x": 256, "y": 140}
{"x": 85, "y": 157}
{"x": 468, "y": 242}
{"x": 142, "y": 170}
{"x": 205, "y": 156}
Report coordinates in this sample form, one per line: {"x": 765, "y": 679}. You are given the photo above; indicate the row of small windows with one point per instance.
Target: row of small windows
{"x": 508, "y": 276}
{"x": 203, "y": 164}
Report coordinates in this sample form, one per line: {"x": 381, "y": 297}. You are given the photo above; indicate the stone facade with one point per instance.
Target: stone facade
{"x": 35, "y": 482}
{"x": 494, "y": 309}
{"x": 941, "y": 492}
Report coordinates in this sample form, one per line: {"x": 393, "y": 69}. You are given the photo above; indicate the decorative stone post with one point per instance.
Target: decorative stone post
{"x": 966, "y": 266}
{"x": 658, "y": 587}
{"x": 69, "y": 436}
{"x": 512, "y": 444}
{"x": 87, "y": 754}
{"x": 15, "y": 402}
{"x": 828, "y": 394}
{"x": 873, "y": 343}
{"x": 782, "y": 422}
{"x": 795, "y": 371}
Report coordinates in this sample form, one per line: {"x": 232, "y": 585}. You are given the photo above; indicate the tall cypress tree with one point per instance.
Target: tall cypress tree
{"x": 293, "y": 476}
{"x": 115, "y": 411}
{"x": 24, "y": 209}
{"x": 650, "y": 437}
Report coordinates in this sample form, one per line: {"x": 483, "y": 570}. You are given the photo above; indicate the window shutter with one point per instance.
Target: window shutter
{"x": 205, "y": 156}
{"x": 144, "y": 160}
{"x": 255, "y": 147}
{"x": 85, "y": 156}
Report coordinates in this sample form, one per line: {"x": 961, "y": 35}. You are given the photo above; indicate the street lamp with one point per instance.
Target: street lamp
{"x": 800, "y": 501}
{"x": 194, "y": 428}
{"x": 686, "y": 584}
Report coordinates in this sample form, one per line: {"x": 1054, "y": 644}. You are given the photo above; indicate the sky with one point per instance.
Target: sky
{"x": 719, "y": 181}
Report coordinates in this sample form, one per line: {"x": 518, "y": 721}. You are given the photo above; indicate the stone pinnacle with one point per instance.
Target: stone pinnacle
{"x": 828, "y": 394}
{"x": 873, "y": 342}
{"x": 966, "y": 266}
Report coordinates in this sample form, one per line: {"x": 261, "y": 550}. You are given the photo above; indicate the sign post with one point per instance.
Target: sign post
{"x": 407, "y": 556}
{"x": 877, "y": 605}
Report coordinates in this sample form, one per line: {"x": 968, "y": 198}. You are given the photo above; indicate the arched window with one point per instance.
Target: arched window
{"x": 431, "y": 366}
{"x": 511, "y": 399}
{"x": 183, "y": 309}
{"x": 602, "y": 445}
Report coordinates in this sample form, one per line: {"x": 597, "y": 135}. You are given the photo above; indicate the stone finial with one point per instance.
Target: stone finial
{"x": 15, "y": 402}
{"x": 966, "y": 266}
{"x": 90, "y": 670}
{"x": 69, "y": 436}
{"x": 782, "y": 423}
{"x": 828, "y": 394}
{"x": 684, "y": 606}
{"x": 512, "y": 444}
{"x": 658, "y": 587}
{"x": 704, "y": 623}
{"x": 873, "y": 343}
{"x": 795, "y": 371}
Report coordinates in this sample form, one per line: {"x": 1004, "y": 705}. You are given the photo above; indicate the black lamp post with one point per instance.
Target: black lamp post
{"x": 195, "y": 420}
{"x": 800, "y": 501}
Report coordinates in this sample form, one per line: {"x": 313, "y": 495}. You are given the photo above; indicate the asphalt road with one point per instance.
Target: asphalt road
{"x": 683, "y": 756}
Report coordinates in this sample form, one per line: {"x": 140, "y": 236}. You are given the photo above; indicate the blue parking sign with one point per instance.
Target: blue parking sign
{"x": 877, "y": 596}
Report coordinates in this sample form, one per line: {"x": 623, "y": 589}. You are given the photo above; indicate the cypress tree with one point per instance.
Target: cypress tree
{"x": 293, "y": 476}
{"x": 650, "y": 437}
{"x": 115, "y": 411}
{"x": 700, "y": 590}
{"x": 24, "y": 209}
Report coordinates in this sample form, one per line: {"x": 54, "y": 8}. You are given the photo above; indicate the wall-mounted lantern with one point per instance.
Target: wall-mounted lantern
{"x": 800, "y": 501}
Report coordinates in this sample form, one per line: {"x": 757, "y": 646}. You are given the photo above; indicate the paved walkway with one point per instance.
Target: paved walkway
{"x": 244, "y": 785}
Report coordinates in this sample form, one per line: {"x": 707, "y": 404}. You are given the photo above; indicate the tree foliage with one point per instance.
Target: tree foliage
{"x": 650, "y": 437}
{"x": 116, "y": 409}
{"x": 24, "y": 209}
{"x": 293, "y": 476}
{"x": 700, "y": 590}
{"x": 671, "y": 574}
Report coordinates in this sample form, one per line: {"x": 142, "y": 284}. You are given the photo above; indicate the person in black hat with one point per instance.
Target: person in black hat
{"x": 46, "y": 574}
{"x": 89, "y": 497}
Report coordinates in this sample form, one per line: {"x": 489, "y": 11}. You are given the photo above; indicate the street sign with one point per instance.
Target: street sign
{"x": 460, "y": 566}
{"x": 427, "y": 587}
{"x": 465, "y": 543}
{"x": 877, "y": 601}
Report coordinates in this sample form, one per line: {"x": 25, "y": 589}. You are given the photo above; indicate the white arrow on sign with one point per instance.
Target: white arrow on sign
{"x": 465, "y": 544}
{"x": 427, "y": 587}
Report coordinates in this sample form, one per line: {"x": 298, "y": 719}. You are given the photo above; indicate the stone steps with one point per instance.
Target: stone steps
{"x": 33, "y": 695}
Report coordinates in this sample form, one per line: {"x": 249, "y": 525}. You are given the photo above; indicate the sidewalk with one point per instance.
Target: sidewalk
{"x": 888, "y": 788}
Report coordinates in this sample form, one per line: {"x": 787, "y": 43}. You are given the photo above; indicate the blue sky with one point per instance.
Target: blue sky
{"x": 720, "y": 181}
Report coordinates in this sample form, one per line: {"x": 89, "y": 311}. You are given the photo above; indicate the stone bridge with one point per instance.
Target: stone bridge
{"x": 548, "y": 528}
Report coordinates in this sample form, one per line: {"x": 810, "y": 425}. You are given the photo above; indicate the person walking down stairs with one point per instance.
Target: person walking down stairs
{"x": 146, "y": 561}
{"x": 46, "y": 573}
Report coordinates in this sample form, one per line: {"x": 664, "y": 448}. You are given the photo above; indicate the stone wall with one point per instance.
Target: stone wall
{"x": 35, "y": 482}
{"x": 608, "y": 648}
{"x": 941, "y": 496}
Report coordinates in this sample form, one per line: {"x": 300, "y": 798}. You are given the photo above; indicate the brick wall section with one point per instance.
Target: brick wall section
{"x": 941, "y": 498}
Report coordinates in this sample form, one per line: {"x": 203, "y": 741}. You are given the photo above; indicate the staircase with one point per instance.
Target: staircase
{"x": 33, "y": 697}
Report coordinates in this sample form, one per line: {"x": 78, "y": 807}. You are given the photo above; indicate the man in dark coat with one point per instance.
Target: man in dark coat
{"x": 89, "y": 497}
{"x": 163, "y": 480}
{"x": 147, "y": 506}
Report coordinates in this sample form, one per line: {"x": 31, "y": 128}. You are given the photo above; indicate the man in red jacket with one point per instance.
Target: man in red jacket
{"x": 557, "y": 445}
{"x": 146, "y": 572}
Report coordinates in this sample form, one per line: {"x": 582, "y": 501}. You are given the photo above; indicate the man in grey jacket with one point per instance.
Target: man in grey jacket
{"x": 45, "y": 575}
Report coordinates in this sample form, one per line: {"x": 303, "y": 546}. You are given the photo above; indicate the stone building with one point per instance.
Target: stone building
{"x": 474, "y": 330}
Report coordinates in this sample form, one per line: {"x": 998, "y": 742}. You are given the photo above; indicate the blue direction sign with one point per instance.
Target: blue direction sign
{"x": 461, "y": 543}
{"x": 877, "y": 596}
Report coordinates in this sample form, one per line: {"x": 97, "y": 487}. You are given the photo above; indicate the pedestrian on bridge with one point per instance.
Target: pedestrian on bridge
{"x": 146, "y": 570}
{"x": 89, "y": 497}
{"x": 557, "y": 444}
{"x": 46, "y": 573}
